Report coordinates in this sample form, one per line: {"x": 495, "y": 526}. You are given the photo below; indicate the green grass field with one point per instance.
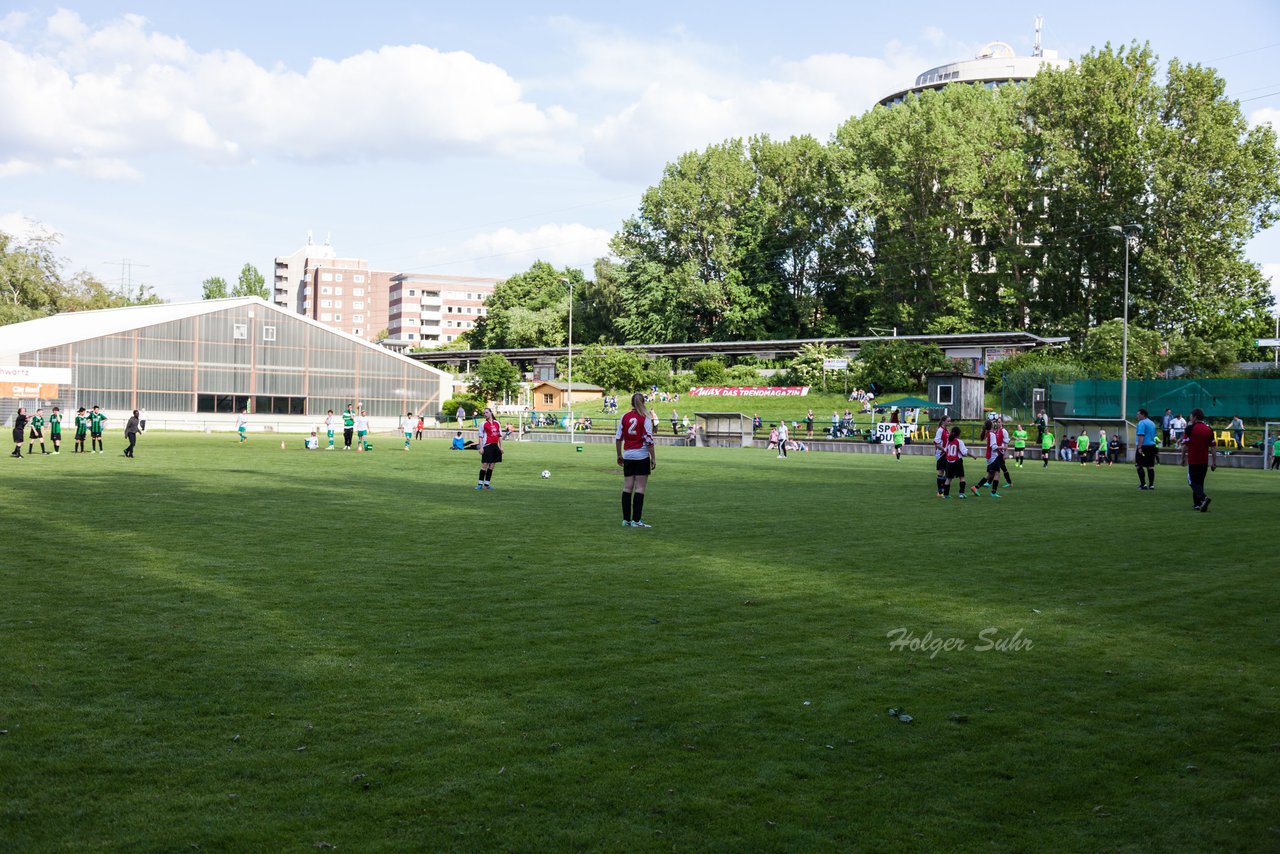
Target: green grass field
{"x": 214, "y": 647}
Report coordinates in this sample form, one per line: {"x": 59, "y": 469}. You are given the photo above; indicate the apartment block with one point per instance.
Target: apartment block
{"x": 428, "y": 309}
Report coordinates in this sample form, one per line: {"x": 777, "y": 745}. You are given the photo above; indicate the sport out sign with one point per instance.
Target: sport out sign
{"x": 32, "y": 383}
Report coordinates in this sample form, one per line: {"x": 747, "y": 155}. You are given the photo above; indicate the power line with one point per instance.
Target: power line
{"x": 1244, "y": 52}
{"x": 1260, "y": 97}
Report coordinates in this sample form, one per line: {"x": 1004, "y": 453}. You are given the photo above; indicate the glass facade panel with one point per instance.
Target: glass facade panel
{"x": 197, "y": 364}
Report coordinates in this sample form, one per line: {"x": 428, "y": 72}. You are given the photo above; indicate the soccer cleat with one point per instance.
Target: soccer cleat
{"x": 962, "y": 495}
{"x": 479, "y": 486}
{"x": 1204, "y": 505}
{"x": 640, "y": 523}
{"x": 976, "y": 493}
{"x": 488, "y": 485}
{"x": 995, "y": 495}
{"x": 626, "y": 523}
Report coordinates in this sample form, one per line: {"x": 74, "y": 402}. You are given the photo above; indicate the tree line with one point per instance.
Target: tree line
{"x": 966, "y": 209}
{"x": 34, "y": 282}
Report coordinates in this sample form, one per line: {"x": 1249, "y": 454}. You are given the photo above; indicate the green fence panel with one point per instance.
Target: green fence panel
{"x": 1252, "y": 400}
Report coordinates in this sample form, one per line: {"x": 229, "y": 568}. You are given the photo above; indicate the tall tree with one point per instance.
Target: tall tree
{"x": 214, "y": 287}
{"x": 251, "y": 283}
{"x": 529, "y": 309}
{"x": 683, "y": 253}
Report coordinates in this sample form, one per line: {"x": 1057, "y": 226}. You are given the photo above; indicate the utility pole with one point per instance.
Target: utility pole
{"x": 126, "y": 274}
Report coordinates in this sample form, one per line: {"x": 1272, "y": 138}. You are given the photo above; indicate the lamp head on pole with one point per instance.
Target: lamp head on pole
{"x": 1128, "y": 229}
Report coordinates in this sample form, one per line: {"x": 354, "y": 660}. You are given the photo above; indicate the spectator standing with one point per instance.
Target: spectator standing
{"x": 1177, "y": 427}
{"x": 675, "y": 423}
{"x": 1200, "y": 456}
{"x": 808, "y": 425}
{"x": 782, "y": 440}
{"x": 1237, "y": 430}
{"x": 1166, "y": 422}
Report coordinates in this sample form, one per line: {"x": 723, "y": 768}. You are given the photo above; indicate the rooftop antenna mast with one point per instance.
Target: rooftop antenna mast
{"x": 1038, "y": 49}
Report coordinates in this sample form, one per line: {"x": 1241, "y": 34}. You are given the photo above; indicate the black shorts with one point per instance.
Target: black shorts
{"x": 1146, "y": 456}
{"x": 942, "y": 465}
{"x": 17, "y": 435}
{"x": 955, "y": 470}
{"x": 636, "y": 468}
{"x": 37, "y": 434}
{"x": 95, "y": 435}
{"x": 996, "y": 465}
{"x": 80, "y": 434}
{"x": 491, "y": 454}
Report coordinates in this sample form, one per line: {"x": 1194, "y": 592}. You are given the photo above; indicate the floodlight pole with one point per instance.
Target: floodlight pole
{"x": 569, "y": 394}
{"x": 1125, "y": 231}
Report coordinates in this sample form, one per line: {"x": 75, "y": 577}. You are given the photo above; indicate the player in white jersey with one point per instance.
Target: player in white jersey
{"x": 406, "y": 426}
{"x": 242, "y": 426}
{"x": 330, "y": 426}
{"x": 362, "y": 431}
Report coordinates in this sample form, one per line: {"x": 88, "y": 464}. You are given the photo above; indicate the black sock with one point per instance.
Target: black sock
{"x": 1151, "y": 476}
{"x": 626, "y": 506}
{"x": 1142, "y": 476}
{"x": 481, "y": 478}
{"x": 637, "y": 506}
{"x": 940, "y": 480}
{"x": 488, "y": 475}
{"x": 946, "y": 489}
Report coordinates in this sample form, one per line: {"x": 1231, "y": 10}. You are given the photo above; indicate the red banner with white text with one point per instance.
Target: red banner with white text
{"x": 749, "y": 391}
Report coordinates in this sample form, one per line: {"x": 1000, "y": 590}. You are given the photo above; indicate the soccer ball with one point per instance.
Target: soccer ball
{"x": 546, "y": 473}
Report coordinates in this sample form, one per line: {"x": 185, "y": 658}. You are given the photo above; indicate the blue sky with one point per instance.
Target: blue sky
{"x": 471, "y": 139}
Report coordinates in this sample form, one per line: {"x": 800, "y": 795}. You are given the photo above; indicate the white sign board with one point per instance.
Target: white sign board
{"x": 835, "y": 364}
{"x": 56, "y": 376}
{"x": 1269, "y": 342}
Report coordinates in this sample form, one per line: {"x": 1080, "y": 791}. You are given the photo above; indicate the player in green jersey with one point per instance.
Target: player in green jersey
{"x": 1046, "y": 448}
{"x": 82, "y": 429}
{"x": 1275, "y": 455}
{"x": 899, "y": 436}
{"x": 348, "y": 427}
{"x": 55, "y": 430}
{"x": 37, "y": 432}
{"x": 97, "y": 418}
{"x": 1082, "y": 446}
{"x": 1103, "y": 454}
{"x": 1019, "y": 445}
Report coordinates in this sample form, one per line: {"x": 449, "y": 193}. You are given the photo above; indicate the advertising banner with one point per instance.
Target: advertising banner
{"x": 36, "y": 383}
{"x": 749, "y": 391}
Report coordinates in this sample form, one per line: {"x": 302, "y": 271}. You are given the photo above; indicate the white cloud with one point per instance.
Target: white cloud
{"x": 506, "y": 251}
{"x": 1266, "y": 115}
{"x": 95, "y": 99}
{"x": 686, "y": 98}
{"x": 13, "y": 22}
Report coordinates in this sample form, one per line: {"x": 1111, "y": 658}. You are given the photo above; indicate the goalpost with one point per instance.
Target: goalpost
{"x": 1269, "y": 437}
{"x": 1071, "y": 427}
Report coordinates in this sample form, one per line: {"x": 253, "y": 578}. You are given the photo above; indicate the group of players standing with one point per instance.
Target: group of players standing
{"x": 1199, "y": 455}
{"x": 949, "y": 451}
{"x": 88, "y": 424}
